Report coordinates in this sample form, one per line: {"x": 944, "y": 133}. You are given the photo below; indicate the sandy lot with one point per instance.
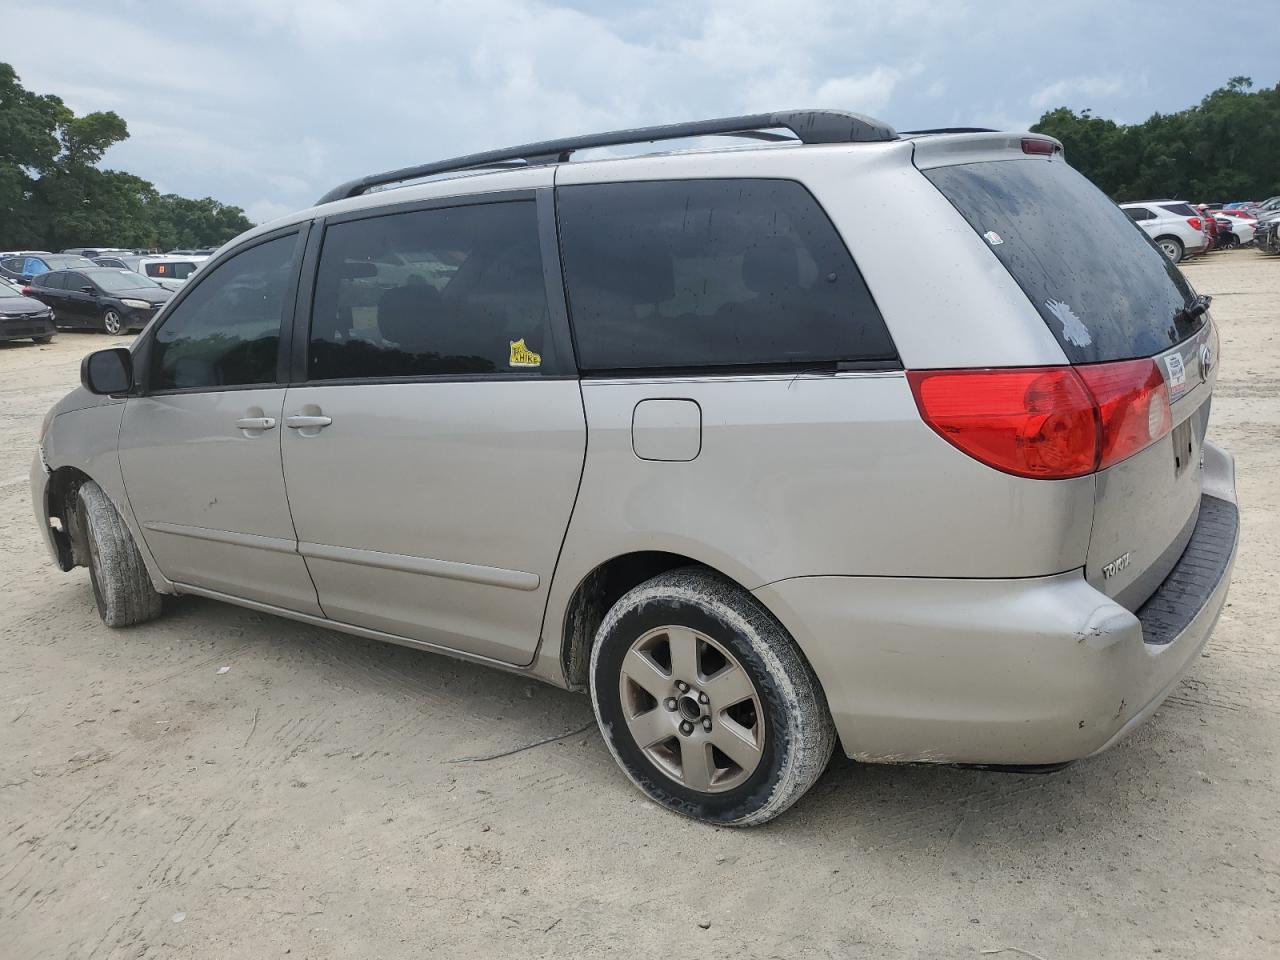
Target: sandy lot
{"x": 313, "y": 801}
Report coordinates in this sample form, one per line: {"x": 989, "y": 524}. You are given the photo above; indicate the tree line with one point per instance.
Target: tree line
{"x": 53, "y": 194}
{"x": 1226, "y": 148}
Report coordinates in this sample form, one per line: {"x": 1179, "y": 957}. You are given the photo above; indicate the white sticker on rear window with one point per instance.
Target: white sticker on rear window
{"x": 993, "y": 238}
{"x": 1177, "y": 374}
{"x": 1073, "y": 328}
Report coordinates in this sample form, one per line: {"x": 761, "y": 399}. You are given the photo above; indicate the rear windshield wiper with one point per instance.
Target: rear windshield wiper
{"x": 1193, "y": 310}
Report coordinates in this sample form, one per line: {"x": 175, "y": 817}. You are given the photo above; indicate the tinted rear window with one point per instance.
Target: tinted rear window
{"x": 711, "y": 273}
{"x": 1105, "y": 290}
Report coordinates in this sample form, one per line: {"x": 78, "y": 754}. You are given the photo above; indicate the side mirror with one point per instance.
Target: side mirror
{"x": 107, "y": 371}
{"x": 89, "y": 288}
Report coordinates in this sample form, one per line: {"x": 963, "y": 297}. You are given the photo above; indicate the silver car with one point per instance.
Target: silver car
{"x": 693, "y": 432}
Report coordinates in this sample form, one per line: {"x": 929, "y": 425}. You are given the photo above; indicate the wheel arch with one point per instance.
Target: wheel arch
{"x": 598, "y": 591}
{"x": 60, "y": 505}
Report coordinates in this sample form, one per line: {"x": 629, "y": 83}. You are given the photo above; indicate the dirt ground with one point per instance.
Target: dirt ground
{"x": 315, "y": 800}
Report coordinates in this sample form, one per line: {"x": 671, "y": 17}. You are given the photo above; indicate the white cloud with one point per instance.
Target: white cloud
{"x": 1072, "y": 89}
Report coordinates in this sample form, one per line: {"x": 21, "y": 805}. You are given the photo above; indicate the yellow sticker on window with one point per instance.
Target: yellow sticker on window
{"x": 522, "y": 356}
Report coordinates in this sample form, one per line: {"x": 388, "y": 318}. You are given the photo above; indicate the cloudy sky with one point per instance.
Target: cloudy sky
{"x": 268, "y": 103}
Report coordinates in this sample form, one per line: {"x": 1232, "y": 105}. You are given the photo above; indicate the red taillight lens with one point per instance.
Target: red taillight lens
{"x": 1039, "y": 148}
{"x": 1031, "y": 422}
{"x": 26, "y": 291}
{"x": 1048, "y": 423}
{"x": 1195, "y": 223}
{"x": 1133, "y": 406}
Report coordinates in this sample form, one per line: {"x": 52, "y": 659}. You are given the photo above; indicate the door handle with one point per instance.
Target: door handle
{"x": 302, "y": 421}
{"x": 256, "y": 423}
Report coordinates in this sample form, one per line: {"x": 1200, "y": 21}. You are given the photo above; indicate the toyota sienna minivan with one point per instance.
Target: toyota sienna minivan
{"x": 692, "y": 432}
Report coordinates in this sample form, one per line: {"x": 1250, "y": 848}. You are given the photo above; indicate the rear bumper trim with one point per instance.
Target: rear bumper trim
{"x": 1195, "y": 576}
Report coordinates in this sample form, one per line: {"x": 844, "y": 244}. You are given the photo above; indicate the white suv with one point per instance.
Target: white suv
{"x": 1177, "y": 227}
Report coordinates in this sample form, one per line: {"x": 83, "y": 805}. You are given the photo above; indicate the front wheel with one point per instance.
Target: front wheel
{"x": 1172, "y": 248}
{"x": 47, "y": 338}
{"x": 112, "y": 322}
{"x": 121, "y": 586}
{"x": 705, "y": 702}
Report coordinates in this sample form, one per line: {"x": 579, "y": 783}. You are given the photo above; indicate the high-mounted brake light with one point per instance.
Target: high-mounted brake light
{"x": 1039, "y": 148}
{"x": 1047, "y": 423}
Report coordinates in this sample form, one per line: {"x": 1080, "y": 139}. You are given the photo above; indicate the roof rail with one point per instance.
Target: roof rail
{"x": 921, "y": 133}
{"x": 809, "y": 126}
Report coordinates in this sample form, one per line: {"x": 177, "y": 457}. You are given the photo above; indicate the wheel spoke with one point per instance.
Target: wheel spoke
{"x": 736, "y": 742}
{"x": 729, "y": 686}
{"x": 652, "y": 726}
{"x": 684, "y": 654}
{"x": 646, "y": 674}
{"x": 695, "y": 763}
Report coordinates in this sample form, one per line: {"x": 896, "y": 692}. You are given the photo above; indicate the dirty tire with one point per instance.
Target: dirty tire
{"x": 798, "y": 735}
{"x": 48, "y": 338}
{"x": 1171, "y": 247}
{"x": 121, "y": 585}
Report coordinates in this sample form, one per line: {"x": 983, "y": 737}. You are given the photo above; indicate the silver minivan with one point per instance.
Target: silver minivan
{"x": 692, "y": 431}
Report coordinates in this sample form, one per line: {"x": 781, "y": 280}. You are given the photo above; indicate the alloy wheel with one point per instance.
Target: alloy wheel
{"x": 691, "y": 707}
{"x": 111, "y": 322}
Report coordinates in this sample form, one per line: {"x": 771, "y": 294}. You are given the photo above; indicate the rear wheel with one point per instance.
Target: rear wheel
{"x": 112, "y": 322}
{"x": 121, "y": 585}
{"x": 47, "y": 338}
{"x": 705, "y": 702}
{"x": 1172, "y": 247}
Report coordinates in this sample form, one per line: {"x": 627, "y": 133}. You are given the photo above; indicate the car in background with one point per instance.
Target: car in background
{"x": 1240, "y": 223}
{"x": 1267, "y": 236}
{"x": 1176, "y": 227}
{"x": 168, "y": 270}
{"x": 99, "y": 298}
{"x": 22, "y": 265}
{"x": 93, "y": 253}
{"x": 22, "y": 317}
{"x": 200, "y": 252}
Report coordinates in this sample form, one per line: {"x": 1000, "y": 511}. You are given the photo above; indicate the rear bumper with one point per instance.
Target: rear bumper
{"x": 1031, "y": 671}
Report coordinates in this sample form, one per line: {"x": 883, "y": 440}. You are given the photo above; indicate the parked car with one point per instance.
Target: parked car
{"x": 93, "y": 253}
{"x": 23, "y": 266}
{"x": 22, "y": 317}
{"x": 1176, "y": 227}
{"x": 639, "y": 426}
{"x": 1267, "y": 236}
{"x": 113, "y": 301}
{"x": 167, "y": 270}
{"x": 1240, "y": 223}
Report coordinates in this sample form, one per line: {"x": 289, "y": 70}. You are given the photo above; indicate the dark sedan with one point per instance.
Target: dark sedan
{"x": 22, "y": 317}
{"x": 114, "y": 301}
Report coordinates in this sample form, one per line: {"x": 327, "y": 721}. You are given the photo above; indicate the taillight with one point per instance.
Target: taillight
{"x": 26, "y": 291}
{"x": 1047, "y": 423}
{"x": 1039, "y": 148}
{"x": 1133, "y": 407}
{"x": 1195, "y": 223}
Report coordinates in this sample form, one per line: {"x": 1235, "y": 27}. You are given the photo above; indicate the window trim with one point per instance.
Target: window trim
{"x": 549, "y": 251}
{"x": 143, "y": 348}
{"x": 727, "y": 370}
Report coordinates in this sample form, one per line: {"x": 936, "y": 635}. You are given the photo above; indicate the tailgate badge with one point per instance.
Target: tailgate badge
{"x": 1206, "y": 360}
{"x": 1109, "y": 570}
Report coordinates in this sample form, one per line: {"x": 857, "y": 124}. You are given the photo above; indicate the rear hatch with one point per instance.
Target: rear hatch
{"x": 1108, "y": 294}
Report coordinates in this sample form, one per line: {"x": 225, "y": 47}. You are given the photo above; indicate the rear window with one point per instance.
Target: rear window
{"x": 711, "y": 273}
{"x": 1105, "y": 290}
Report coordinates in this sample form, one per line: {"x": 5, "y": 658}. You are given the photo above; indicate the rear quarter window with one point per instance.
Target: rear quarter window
{"x": 1102, "y": 286}
{"x": 711, "y": 273}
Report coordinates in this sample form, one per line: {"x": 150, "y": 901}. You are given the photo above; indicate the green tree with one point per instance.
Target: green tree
{"x": 1222, "y": 149}
{"x": 54, "y": 195}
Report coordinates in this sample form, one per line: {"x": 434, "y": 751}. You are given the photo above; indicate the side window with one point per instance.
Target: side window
{"x": 33, "y": 266}
{"x": 51, "y": 281}
{"x": 226, "y": 332}
{"x": 456, "y": 290}
{"x": 71, "y": 281}
{"x": 710, "y": 273}
{"x": 1139, "y": 213}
